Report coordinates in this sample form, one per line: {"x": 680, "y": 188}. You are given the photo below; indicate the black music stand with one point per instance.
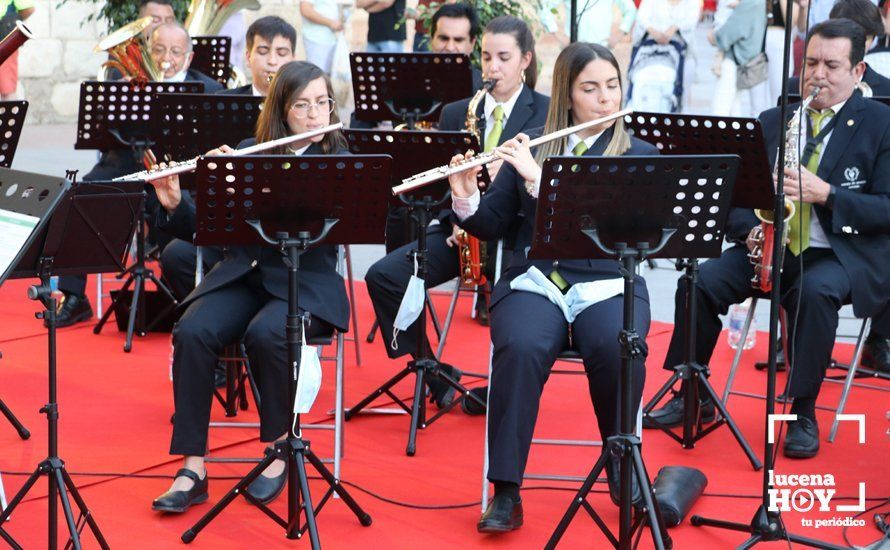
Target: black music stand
{"x": 12, "y": 117}
{"x": 414, "y": 152}
{"x": 84, "y": 229}
{"x": 335, "y": 199}
{"x": 676, "y": 134}
{"x": 117, "y": 115}
{"x": 212, "y": 56}
{"x": 409, "y": 87}
{"x": 680, "y": 209}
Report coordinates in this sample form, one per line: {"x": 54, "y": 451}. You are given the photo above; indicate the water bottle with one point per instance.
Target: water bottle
{"x": 737, "y": 315}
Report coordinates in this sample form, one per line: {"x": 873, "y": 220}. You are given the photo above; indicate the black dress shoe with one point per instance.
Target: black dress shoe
{"x": 802, "y": 440}
{"x": 219, "y": 376}
{"x": 441, "y": 392}
{"x": 876, "y": 353}
{"x": 613, "y": 467}
{"x": 179, "y": 501}
{"x": 75, "y": 309}
{"x": 482, "y": 316}
{"x": 502, "y": 515}
{"x": 471, "y": 407}
{"x": 266, "y": 489}
{"x": 671, "y": 415}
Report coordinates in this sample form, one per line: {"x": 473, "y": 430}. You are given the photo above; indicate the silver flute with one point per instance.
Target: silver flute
{"x": 190, "y": 165}
{"x": 442, "y": 172}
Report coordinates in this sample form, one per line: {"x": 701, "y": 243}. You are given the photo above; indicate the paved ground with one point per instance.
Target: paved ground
{"x": 49, "y": 149}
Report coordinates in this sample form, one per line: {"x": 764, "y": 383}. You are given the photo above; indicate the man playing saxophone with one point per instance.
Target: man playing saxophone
{"x": 838, "y": 239}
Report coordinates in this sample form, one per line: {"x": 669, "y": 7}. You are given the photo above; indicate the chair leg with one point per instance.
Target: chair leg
{"x": 738, "y": 352}
{"x": 851, "y": 375}
{"x": 338, "y": 407}
{"x": 448, "y": 318}
{"x": 485, "y": 487}
{"x": 3, "y": 503}
{"x": 355, "y": 334}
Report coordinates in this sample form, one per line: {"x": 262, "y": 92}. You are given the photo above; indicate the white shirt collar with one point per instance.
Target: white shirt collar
{"x": 301, "y": 150}
{"x": 491, "y": 103}
{"x": 178, "y": 77}
{"x": 256, "y": 92}
{"x": 575, "y": 140}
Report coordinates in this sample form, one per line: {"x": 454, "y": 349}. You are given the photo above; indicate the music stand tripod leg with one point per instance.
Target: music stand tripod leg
{"x": 19, "y": 427}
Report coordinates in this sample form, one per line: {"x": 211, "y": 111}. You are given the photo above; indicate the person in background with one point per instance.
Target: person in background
{"x": 160, "y": 11}
{"x": 663, "y": 21}
{"x": 321, "y": 23}
{"x": 775, "y": 44}
{"x": 9, "y": 70}
{"x": 878, "y": 57}
{"x": 171, "y": 49}
{"x": 740, "y": 39}
{"x": 595, "y": 20}
{"x": 386, "y": 25}
{"x": 271, "y": 42}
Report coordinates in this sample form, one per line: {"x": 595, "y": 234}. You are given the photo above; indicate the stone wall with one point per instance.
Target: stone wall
{"x": 52, "y": 65}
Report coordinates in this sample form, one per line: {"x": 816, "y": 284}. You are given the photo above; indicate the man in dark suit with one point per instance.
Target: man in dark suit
{"x": 520, "y": 108}
{"x": 839, "y": 244}
{"x": 271, "y": 42}
{"x": 171, "y": 49}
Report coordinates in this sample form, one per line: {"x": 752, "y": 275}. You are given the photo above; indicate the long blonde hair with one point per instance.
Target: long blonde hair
{"x": 569, "y": 64}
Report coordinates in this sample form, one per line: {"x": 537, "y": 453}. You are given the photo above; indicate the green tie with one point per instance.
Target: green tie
{"x": 579, "y": 149}
{"x": 495, "y": 135}
{"x": 799, "y": 228}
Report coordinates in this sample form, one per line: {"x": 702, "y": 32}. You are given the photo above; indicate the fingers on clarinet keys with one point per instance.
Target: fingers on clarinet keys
{"x": 180, "y": 501}
{"x": 503, "y": 514}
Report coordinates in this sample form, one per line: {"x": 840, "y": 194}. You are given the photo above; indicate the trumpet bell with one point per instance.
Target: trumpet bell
{"x": 123, "y": 34}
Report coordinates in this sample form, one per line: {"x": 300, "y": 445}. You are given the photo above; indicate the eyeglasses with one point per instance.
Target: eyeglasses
{"x": 160, "y": 51}
{"x": 302, "y": 108}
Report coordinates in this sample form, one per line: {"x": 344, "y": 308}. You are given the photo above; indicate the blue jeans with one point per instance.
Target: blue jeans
{"x": 387, "y": 46}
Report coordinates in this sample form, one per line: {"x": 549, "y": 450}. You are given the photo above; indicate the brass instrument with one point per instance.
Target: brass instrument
{"x": 14, "y": 40}
{"x": 764, "y": 236}
{"x": 191, "y": 165}
{"x": 425, "y": 178}
{"x": 129, "y": 54}
{"x": 206, "y": 17}
{"x": 472, "y": 253}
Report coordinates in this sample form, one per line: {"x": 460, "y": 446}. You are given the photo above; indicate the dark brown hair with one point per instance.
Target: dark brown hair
{"x": 289, "y": 82}
{"x": 518, "y": 29}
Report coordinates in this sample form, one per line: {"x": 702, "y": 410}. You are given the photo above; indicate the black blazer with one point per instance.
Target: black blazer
{"x": 211, "y": 86}
{"x": 880, "y": 84}
{"x": 508, "y": 199}
{"x": 241, "y": 90}
{"x": 322, "y": 292}
{"x": 856, "y": 162}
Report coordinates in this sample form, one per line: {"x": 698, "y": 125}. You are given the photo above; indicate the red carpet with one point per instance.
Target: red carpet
{"x": 115, "y": 430}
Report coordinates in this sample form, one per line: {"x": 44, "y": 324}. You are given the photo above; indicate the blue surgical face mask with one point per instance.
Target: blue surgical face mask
{"x": 410, "y": 308}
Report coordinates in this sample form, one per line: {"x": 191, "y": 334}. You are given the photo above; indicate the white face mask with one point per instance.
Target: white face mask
{"x": 309, "y": 381}
{"x": 410, "y": 308}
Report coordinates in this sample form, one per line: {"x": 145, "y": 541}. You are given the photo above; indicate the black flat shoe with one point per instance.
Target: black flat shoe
{"x": 802, "y": 440}
{"x": 441, "y": 392}
{"x": 671, "y": 415}
{"x": 180, "y": 501}
{"x": 501, "y": 516}
{"x": 266, "y": 489}
{"x": 471, "y": 407}
{"x": 613, "y": 467}
{"x": 75, "y": 309}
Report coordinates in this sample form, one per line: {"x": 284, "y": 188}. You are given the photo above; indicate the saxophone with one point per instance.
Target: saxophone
{"x": 471, "y": 252}
{"x": 762, "y": 253}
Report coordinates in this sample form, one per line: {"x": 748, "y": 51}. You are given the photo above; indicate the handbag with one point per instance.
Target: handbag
{"x": 755, "y": 71}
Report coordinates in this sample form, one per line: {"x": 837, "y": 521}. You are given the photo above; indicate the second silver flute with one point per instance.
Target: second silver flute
{"x": 191, "y": 165}
{"x": 442, "y": 172}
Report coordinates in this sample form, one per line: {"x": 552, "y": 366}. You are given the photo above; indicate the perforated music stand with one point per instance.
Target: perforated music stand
{"x": 12, "y": 118}
{"x": 303, "y": 201}
{"x": 212, "y": 56}
{"x": 184, "y": 126}
{"x": 108, "y": 213}
{"x": 408, "y": 87}
{"x": 679, "y": 208}
{"x": 414, "y": 152}
{"x": 676, "y": 134}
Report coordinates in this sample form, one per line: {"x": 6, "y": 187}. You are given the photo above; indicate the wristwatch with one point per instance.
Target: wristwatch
{"x": 832, "y": 193}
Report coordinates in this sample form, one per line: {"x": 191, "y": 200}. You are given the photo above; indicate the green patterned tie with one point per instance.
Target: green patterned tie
{"x": 799, "y": 224}
{"x": 579, "y": 149}
{"x": 495, "y": 135}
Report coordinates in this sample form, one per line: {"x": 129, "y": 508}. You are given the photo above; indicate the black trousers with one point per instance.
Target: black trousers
{"x": 528, "y": 332}
{"x": 243, "y": 308}
{"x": 178, "y": 262}
{"x": 880, "y": 323}
{"x": 388, "y": 279}
{"x": 820, "y": 293}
